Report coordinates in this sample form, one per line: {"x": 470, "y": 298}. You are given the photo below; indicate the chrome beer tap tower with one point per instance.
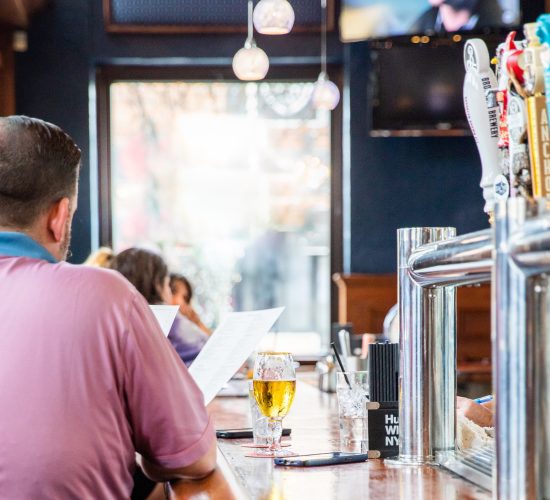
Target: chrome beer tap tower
{"x": 432, "y": 263}
{"x": 514, "y": 256}
{"x": 521, "y": 350}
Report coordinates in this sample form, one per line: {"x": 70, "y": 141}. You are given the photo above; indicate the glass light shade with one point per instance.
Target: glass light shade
{"x": 273, "y": 17}
{"x": 325, "y": 93}
{"x": 250, "y": 63}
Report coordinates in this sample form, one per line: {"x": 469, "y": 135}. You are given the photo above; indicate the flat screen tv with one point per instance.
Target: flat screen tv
{"x": 366, "y": 19}
{"x": 417, "y": 90}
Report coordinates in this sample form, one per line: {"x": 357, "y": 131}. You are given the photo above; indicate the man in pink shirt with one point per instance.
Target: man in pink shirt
{"x": 87, "y": 379}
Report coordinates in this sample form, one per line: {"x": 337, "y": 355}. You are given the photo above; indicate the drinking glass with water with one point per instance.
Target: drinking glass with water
{"x": 352, "y": 391}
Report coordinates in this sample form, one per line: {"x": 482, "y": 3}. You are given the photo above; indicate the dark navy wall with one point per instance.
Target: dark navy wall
{"x": 402, "y": 182}
{"x": 392, "y": 182}
{"x": 52, "y": 84}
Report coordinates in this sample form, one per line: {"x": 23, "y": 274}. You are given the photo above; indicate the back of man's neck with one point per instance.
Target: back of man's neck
{"x": 29, "y": 232}
{"x": 12, "y": 229}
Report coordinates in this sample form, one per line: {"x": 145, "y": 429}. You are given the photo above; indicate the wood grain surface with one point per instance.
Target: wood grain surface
{"x": 314, "y": 423}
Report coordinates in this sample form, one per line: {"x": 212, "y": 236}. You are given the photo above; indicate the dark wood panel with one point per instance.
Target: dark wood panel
{"x": 7, "y": 75}
{"x": 13, "y": 14}
{"x": 474, "y": 324}
{"x": 114, "y": 26}
{"x": 16, "y": 13}
{"x": 364, "y": 300}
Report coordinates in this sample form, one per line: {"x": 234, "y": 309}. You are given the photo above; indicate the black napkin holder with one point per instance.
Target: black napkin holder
{"x": 383, "y": 429}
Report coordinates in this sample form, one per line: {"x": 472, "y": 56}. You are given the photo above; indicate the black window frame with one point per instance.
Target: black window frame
{"x": 106, "y": 75}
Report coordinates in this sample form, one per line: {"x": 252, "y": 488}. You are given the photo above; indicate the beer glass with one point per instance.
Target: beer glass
{"x": 274, "y": 387}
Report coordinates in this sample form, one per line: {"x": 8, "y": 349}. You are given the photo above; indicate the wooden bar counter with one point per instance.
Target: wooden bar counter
{"x": 314, "y": 422}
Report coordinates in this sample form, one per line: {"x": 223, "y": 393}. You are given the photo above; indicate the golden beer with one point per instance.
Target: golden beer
{"x": 274, "y": 397}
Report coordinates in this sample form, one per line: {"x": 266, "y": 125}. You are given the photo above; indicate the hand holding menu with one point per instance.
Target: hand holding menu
{"x": 228, "y": 347}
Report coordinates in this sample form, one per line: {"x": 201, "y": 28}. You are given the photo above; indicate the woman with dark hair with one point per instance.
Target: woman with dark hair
{"x": 182, "y": 293}
{"x": 148, "y": 272}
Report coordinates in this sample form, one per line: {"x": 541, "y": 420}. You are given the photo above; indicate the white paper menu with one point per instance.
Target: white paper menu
{"x": 165, "y": 316}
{"x": 228, "y": 348}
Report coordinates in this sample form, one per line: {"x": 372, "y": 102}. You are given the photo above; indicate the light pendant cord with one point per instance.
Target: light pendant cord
{"x": 324, "y": 36}
{"x": 250, "y": 38}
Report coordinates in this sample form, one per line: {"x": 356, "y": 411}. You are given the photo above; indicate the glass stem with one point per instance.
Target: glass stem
{"x": 275, "y": 431}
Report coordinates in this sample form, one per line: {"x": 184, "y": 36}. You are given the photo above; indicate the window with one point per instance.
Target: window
{"x": 231, "y": 181}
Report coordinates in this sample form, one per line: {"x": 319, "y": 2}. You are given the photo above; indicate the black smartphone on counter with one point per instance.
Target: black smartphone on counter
{"x": 241, "y": 433}
{"x": 318, "y": 459}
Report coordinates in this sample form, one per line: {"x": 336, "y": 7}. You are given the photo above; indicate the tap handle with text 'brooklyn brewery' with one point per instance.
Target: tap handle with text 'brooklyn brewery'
{"x": 483, "y": 114}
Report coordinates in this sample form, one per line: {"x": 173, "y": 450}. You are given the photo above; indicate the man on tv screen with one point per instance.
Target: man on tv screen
{"x": 363, "y": 19}
{"x": 458, "y": 15}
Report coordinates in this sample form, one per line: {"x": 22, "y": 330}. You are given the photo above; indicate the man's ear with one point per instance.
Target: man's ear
{"x": 57, "y": 219}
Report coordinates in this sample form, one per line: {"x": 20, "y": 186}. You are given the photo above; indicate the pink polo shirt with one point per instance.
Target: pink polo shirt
{"x": 87, "y": 379}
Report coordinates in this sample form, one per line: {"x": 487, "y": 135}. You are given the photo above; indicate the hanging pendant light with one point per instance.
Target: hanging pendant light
{"x": 273, "y": 17}
{"x": 250, "y": 63}
{"x": 325, "y": 93}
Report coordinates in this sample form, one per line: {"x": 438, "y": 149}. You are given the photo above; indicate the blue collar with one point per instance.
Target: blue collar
{"x": 21, "y": 245}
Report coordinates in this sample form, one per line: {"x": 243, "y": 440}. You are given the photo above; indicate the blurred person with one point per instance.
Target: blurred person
{"x": 427, "y": 21}
{"x": 102, "y": 257}
{"x": 87, "y": 379}
{"x": 148, "y": 272}
{"x": 458, "y": 15}
{"x": 182, "y": 294}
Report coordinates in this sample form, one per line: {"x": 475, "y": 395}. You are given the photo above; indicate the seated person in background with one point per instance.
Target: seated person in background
{"x": 102, "y": 257}
{"x": 148, "y": 272}
{"x": 182, "y": 293}
{"x": 87, "y": 378}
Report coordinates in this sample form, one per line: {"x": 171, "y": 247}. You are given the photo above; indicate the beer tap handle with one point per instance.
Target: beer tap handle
{"x": 483, "y": 114}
